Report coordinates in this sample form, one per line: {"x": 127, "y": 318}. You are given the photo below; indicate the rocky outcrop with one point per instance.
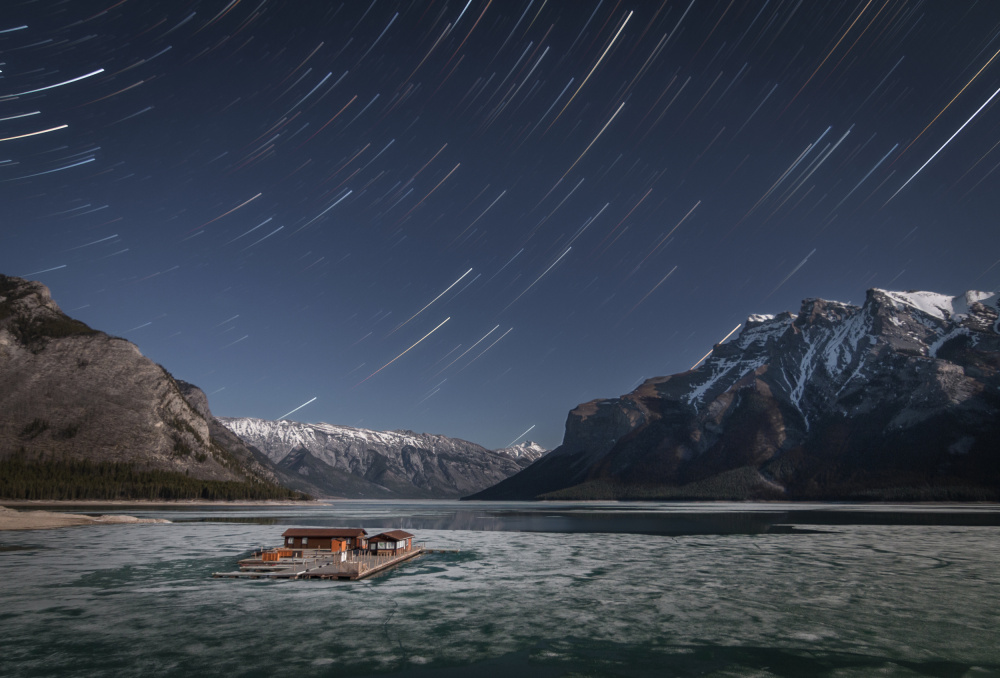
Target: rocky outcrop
{"x": 69, "y": 392}
{"x": 358, "y": 463}
{"x": 898, "y": 398}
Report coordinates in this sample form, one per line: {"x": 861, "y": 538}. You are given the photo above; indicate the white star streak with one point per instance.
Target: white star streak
{"x": 55, "y": 268}
{"x": 429, "y": 303}
{"x": 620, "y": 107}
{"x": 262, "y": 239}
{"x": 851, "y": 192}
{"x": 58, "y": 84}
{"x": 245, "y": 336}
{"x": 296, "y": 409}
{"x": 323, "y": 212}
{"x": 537, "y": 279}
{"x": 650, "y": 292}
{"x": 246, "y": 202}
{"x": 669, "y": 233}
{"x": 250, "y": 231}
{"x": 20, "y": 115}
{"x": 228, "y": 320}
{"x": 110, "y": 237}
{"x": 488, "y": 348}
{"x": 401, "y": 354}
{"x": 511, "y": 443}
{"x": 479, "y": 217}
{"x": 327, "y": 77}
{"x": 506, "y": 265}
{"x": 713, "y": 348}
{"x": 466, "y": 351}
{"x": 598, "y": 63}
{"x": 942, "y": 146}
{"x": 801, "y": 264}
{"x": 58, "y": 169}
{"x": 32, "y": 134}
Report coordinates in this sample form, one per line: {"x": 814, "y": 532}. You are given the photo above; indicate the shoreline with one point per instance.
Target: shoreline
{"x": 11, "y": 519}
{"x": 35, "y": 514}
{"x": 149, "y": 503}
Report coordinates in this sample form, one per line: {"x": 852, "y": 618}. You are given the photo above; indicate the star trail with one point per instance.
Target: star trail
{"x": 273, "y": 198}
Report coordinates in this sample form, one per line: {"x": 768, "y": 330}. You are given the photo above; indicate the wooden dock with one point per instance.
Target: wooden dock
{"x": 321, "y": 565}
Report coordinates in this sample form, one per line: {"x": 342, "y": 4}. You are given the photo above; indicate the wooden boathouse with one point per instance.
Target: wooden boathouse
{"x": 328, "y": 553}
{"x": 390, "y": 543}
{"x": 328, "y": 538}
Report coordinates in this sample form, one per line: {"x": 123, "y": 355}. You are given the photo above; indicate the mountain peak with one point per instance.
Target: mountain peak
{"x": 895, "y": 398}
{"x": 527, "y": 450}
{"x": 70, "y": 394}
{"x": 362, "y": 463}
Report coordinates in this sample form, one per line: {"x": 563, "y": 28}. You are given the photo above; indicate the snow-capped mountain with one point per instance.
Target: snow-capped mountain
{"x": 528, "y": 450}
{"x": 897, "y": 398}
{"x": 353, "y": 462}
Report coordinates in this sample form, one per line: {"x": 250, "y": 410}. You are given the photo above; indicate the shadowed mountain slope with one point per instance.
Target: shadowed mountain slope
{"x": 896, "y": 399}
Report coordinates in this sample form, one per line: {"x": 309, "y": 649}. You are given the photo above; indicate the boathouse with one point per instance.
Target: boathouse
{"x": 390, "y": 543}
{"x": 326, "y": 538}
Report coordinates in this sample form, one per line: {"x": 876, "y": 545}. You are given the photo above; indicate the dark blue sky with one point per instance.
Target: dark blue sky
{"x": 507, "y": 207}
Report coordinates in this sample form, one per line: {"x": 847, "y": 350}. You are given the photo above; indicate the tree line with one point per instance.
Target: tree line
{"x": 82, "y": 479}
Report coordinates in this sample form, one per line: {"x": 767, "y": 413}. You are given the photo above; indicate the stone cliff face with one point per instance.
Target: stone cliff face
{"x": 898, "y": 398}
{"x": 351, "y": 462}
{"x": 70, "y": 392}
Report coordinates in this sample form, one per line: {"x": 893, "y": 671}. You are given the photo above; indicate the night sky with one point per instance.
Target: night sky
{"x": 467, "y": 217}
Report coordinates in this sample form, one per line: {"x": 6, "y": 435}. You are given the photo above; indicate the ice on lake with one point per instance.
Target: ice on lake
{"x": 903, "y": 596}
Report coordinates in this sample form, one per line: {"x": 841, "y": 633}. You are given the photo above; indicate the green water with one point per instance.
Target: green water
{"x": 536, "y": 590}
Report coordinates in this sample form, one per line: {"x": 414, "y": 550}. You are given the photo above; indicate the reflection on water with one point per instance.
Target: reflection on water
{"x": 236, "y": 519}
{"x": 4, "y": 548}
{"x": 535, "y": 590}
{"x": 652, "y": 519}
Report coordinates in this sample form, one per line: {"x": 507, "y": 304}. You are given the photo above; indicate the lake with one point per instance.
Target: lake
{"x": 590, "y": 589}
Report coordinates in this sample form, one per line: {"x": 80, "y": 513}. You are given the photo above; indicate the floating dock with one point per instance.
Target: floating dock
{"x": 319, "y": 564}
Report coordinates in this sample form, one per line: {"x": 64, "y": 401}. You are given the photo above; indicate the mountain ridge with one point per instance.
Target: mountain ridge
{"x": 73, "y": 397}
{"x": 897, "y": 398}
{"x": 363, "y": 463}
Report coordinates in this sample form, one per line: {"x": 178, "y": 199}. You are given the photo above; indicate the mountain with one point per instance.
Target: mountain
{"x": 527, "y": 451}
{"x": 86, "y": 415}
{"x": 896, "y": 399}
{"x": 358, "y": 463}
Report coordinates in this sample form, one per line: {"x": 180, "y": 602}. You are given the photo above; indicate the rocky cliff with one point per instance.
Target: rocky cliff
{"x": 359, "y": 463}
{"x": 896, "y": 399}
{"x": 69, "y": 393}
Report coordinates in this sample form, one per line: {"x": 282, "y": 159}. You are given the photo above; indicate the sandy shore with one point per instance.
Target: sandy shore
{"x": 45, "y": 520}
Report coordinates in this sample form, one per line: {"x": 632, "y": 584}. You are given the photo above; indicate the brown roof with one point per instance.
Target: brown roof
{"x": 324, "y": 532}
{"x": 397, "y": 535}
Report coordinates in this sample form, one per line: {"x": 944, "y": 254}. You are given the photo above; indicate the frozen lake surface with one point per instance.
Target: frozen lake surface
{"x": 537, "y": 590}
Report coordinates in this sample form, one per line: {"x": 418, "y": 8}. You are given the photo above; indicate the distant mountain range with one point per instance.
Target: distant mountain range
{"x": 84, "y": 415}
{"x": 896, "y": 399}
{"x": 328, "y": 460}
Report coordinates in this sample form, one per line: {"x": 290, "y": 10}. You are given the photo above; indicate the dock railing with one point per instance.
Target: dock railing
{"x": 324, "y": 564}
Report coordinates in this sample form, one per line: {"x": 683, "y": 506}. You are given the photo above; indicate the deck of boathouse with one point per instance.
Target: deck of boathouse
{"x": 317, "y": 564}
{"x": 325, "y": 553}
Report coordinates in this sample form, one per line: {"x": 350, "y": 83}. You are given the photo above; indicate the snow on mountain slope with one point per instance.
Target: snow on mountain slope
{"x": 528, "y": 451}
{"x": 392, "y": 463}
{"x": 898, "y": 397}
